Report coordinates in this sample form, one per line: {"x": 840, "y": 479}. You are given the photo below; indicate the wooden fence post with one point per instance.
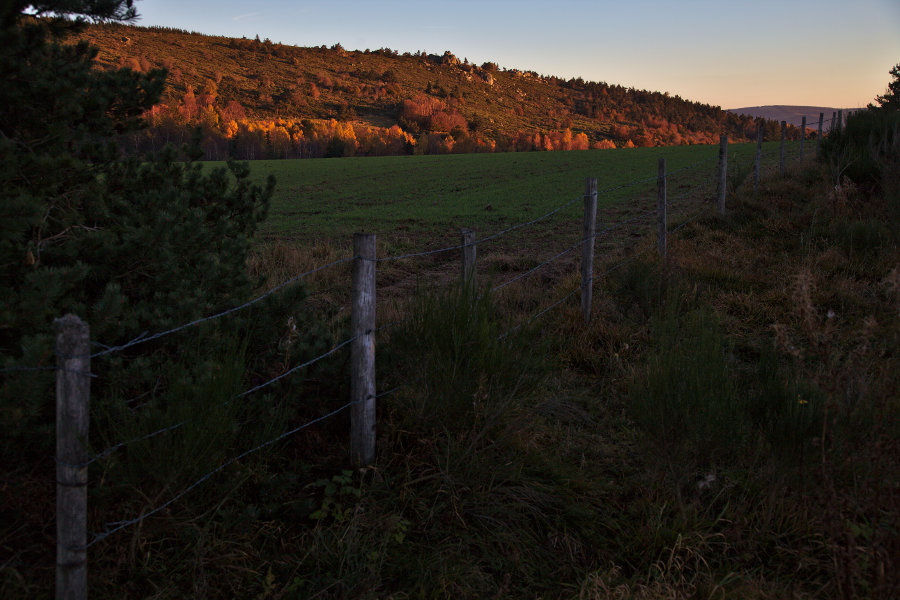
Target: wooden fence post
{"x": 783, "y": 148}
{"x": 723, "y": 171}
{"x": 362, "y": 351}
{"x": 840, "y": 120}
{"x": 587, "y": 247}
{"x": 802, "y": 137}
{"x": 468, "y": 257}
{"x": 73, "y": 396}
{"x": 661, "y": 224}
{"x": 819, "y": 137}
{"x": 759, "y": 140}
{"x": 833, "y": 121}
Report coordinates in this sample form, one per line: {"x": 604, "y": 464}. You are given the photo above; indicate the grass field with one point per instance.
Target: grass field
{"x": 331, "y": 198}
{"x": 419, "y": 203}
{"x": 724, "y": 427}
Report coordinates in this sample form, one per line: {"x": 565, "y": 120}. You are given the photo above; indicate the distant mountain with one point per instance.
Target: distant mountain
{"x": 792, "y": 114}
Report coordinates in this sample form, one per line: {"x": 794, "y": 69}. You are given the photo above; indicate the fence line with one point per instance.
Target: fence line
{"x": 110, "y": 450}
{"x": 599, "y": 234}
{"x": 143, "y": 338}
{"x": 74, "y": 372}
{"x": 113, "y": 527}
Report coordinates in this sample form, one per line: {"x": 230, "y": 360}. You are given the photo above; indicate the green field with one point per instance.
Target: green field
{"x": 332, "y": 198}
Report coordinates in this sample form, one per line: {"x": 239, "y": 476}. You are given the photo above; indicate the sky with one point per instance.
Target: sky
{"x": 726, "y": 53}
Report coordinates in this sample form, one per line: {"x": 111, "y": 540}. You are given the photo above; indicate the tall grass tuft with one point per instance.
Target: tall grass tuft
{"x": 686, "y": 399}
{"x": 198, "y": 403}
{"x": 786, "y": 411}
{"x": 463, "y": 370}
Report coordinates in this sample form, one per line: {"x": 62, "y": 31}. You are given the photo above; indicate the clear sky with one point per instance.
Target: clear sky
{"x": 722, "y": 52}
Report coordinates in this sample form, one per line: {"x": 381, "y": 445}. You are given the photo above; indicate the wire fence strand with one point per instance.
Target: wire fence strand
{"x": 695, "y": 190}
{"x": 116, "y": 526}
{"x": 110, "y": 450}
{"x": 142, "y": 339}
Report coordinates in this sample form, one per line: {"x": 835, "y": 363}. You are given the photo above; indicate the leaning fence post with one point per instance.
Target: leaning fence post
{"x": 759, "y": 140}
{"x": 723, "y": 170}
{"x": 362, "y": 351}
{"x": 661, "y": 209}
{"x": 819, "y": 136}
{"x": 468, "y": 257}
{"x": 783, "y": 142}
{"x": 802, "y": 137}
{"x": 587, "y": 247}
{"x": 73, "y": 394}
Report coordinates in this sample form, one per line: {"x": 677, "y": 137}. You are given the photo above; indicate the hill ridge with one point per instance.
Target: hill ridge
{"x": 241, "y": 89}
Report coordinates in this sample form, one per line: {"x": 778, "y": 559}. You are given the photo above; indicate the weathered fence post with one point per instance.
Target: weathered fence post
{"x": 468, "y": 257}
{"x": 819, "y": 136}
{"x": 802, "y": 137}
{"x": 362, "y": 351}
{"x": 587, "y": 247}
{"x": 73, "y": 394}
{"x": 840, "y": 120}
{"x": 781, "y": 170}
{"x": 833, "y": 121}
{"x": 759, "y": 140}
{"x": 661, "y": 225}
{"x": 723, "y": 171}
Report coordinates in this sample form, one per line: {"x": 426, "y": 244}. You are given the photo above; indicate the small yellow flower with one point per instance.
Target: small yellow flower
{"x": 801, "y": 400}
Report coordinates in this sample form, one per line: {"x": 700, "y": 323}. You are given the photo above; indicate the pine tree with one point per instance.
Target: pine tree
{"x": 129, "y": 244}
{"x": 890, "y": 100}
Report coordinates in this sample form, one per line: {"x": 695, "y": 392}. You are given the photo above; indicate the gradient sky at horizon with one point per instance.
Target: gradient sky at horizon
{"x": 731, "y": 54}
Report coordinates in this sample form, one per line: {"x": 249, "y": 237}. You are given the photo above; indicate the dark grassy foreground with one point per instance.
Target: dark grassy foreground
{"x": 726, "y": 427}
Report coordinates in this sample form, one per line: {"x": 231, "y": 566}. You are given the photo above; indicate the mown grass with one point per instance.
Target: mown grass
{"x": 724, "y": 427}
{"x": 403, "y": 195}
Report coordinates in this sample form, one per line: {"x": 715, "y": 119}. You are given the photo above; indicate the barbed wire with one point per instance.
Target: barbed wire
{"x": 110, "y": 450}
{"x": 620, "y": 224}
{"x": 536, "y": 220}
{"x": 26, "y": 369}
{"x": 690, "y": 220}
{"x": 604, "y": 231}
{"x": 538, "y": 315}
{"x": 633, "y": 257}
{"x": 37, "y": 369}
{"x": 115, "y": 526}
{"x": 482, "y": 240}
{"x": 692, "y": 166}
{"x": 143, "y": 338}
{"x": 540, "y": 266}
{"x": 607, "y": 271}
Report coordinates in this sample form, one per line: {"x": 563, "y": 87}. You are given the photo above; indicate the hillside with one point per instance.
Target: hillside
{"x": 792, "y": 114}
{"x": 257, "y": 98}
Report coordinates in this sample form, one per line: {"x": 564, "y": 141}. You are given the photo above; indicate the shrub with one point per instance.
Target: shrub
{"x": 787, "y": 412}
{"x": 130, "y": 245}
{"x": 864, "y": 147}
{"x": 466, "y": 374}
{"x": 687, "y": 400}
